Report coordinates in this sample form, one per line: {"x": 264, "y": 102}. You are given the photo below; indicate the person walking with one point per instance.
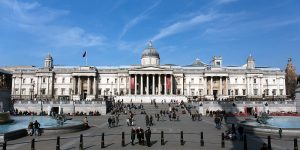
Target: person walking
{"x": 133, "y": 132}
{"x": 36, "y": 126}
{"x": 148, "y": 136}
{"x": 109, "y": 120}
{"x": 280, "y": 132}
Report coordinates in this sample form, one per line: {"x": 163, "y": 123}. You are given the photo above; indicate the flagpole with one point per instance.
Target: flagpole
{"x": 86, "y": 58}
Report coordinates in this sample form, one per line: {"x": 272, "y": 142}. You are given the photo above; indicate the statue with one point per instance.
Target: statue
{"x": 262, "y": 119}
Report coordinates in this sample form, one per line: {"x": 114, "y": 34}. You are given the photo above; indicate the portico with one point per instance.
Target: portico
{"x": 151, "y": 81}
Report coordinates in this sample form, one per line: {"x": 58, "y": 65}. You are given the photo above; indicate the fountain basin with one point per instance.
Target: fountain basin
{"x": 289, "y": 125}
{"x": 18, "y": 128}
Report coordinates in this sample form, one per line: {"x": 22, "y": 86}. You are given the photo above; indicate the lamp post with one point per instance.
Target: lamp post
{"x": 32, "y": 92}
{"x": 232, "y": 94}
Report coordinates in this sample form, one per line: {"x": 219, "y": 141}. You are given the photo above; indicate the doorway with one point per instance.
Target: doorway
{"x": 215, "y": 93}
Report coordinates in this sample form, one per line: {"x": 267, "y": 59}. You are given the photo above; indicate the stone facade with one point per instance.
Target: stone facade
{"x": 198, "y": 80}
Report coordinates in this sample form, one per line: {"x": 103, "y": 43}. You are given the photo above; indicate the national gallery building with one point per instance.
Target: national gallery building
{"x": 199, "y": 80}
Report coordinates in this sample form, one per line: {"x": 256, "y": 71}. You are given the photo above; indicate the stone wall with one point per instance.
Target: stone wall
{"x": 65, "y": 107}
{"x": 241, "y": 106}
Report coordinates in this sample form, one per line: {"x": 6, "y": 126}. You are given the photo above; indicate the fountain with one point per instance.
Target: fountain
{"x": 19, "y": 125}
{"x": 5, "y": 118}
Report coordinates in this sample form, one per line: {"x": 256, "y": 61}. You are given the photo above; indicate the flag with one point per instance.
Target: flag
{"x": 84, "y": 54}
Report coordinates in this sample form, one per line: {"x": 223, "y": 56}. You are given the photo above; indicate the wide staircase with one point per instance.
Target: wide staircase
{"x": 151, "y": 109}
{"x": 149, "y": 98}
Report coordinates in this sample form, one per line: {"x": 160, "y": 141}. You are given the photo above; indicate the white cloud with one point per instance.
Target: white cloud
{"x": 184, "y": 25}
{"x": 40, "y": 22}
{"x": 219, "y": 2}
{"x": 138, "y": 19}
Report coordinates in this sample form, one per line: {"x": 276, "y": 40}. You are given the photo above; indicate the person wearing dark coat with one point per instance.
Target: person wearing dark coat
{"x": 142, "y": 136}
{"x": 132, "y": 135}
{"x": 138, "y": 134}
{"x": 148, "y": 136}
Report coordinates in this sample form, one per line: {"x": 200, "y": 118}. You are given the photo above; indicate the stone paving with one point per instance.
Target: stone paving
{"x": 191, "y": 130}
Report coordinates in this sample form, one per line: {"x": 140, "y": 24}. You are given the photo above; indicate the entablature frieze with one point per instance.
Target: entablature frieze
{"x": 83, "y": 74}
{"x": 132, "y": 72}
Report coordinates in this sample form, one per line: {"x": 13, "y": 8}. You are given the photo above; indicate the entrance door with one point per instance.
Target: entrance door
{"x": 215, "y": 93}
{"x": 249, "y": 110}
{"x": 84, "y": 94}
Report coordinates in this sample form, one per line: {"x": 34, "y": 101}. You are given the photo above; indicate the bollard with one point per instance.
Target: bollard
{"x": 32, "y": 144}
{"x": 181, "y": 138}
{"x": 162, "y": 141}
{"x": 58, "y": 143}
{"x": 269, "y": 143}
{"x": 4, "y": 145}
{"x": 223, "y": 141}
{"x": 295, "y": 144}
{"x": 201, "y": 141}
{"x": 245, "y": 142}
{"x": 81, "y": 142}
{"x": 102, "y": 141}
{"x": 123, "y": 139}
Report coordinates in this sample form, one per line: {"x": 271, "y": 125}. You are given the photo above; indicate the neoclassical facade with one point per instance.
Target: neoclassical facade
{"x": 150, "y": 78}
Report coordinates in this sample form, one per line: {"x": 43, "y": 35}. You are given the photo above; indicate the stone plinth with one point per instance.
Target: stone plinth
{"x": 298, "y": 99}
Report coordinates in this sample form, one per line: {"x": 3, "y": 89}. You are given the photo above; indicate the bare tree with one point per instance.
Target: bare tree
{"x": 290, "y": 79}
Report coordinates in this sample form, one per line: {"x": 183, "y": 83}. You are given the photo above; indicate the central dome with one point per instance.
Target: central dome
{"x": 150, "y": 51}
{"x": 150, "y": 56}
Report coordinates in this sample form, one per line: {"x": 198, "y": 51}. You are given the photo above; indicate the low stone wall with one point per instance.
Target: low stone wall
{"x": 64, "y": 106}
{"x": 241, "y": 106}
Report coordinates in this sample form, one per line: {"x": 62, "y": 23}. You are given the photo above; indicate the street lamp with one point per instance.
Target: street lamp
{"x": 232, "y": 94}
{"x": 32, "y": 92}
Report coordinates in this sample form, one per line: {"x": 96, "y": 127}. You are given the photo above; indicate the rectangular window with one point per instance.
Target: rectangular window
{"x": 23, "y": 91}
{"x": 63, "y": 80}
{"x": 100, "y": 91}
{"x": 192, "y": 80}
{"x": 274, "y": 81}
{"x": 71, "y": 80}
{"x": 55, "y": 79}
{"x": 236, "y": 92}
{"x": 244, "y": 91}
{"x": 44, "y": 80}
{"x": 121, "y": 80}
{"x": 31, "y": 80}
{"x": 200, "y": 80}
{"x": 229, "y": 92}
{"x": 243, "y": 80}
{"x": 43, "y": 91}
{"x": 116, "y": 80}
{"x": 63, "y": 90}
{"x": 274, "y": 91}
{"x": 255, "y": 91}
{"x": 24, "y": 80}
{"x": 107, "y": 80}
{"x": 236, "y": 80}
{"x": 281, "y": 91}
{"x": 193, "y": 92}
{"x": 254, "y": 80}
{"x": 267, "y": 91}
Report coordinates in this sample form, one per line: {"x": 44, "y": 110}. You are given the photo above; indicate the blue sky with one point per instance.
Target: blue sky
{"x": 116, "y": 32}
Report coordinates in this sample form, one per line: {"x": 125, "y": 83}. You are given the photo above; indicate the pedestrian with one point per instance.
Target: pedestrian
{"x": 151, "y": 120}
{"x": 133, "y": 132}
{"x": 36, "y": 126}
{"x": 148, "y": 136}
{"x": 86, "y": 122}
{"x": 109, "y": 120}
{"x": 170, "y": 116}
{"x": 138, "y": 135}
{"x": 241, "y": 132}
{"x": 147, "y": 120}
{"x": 30, "y": 129}
{"x": 280, "y": 132}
